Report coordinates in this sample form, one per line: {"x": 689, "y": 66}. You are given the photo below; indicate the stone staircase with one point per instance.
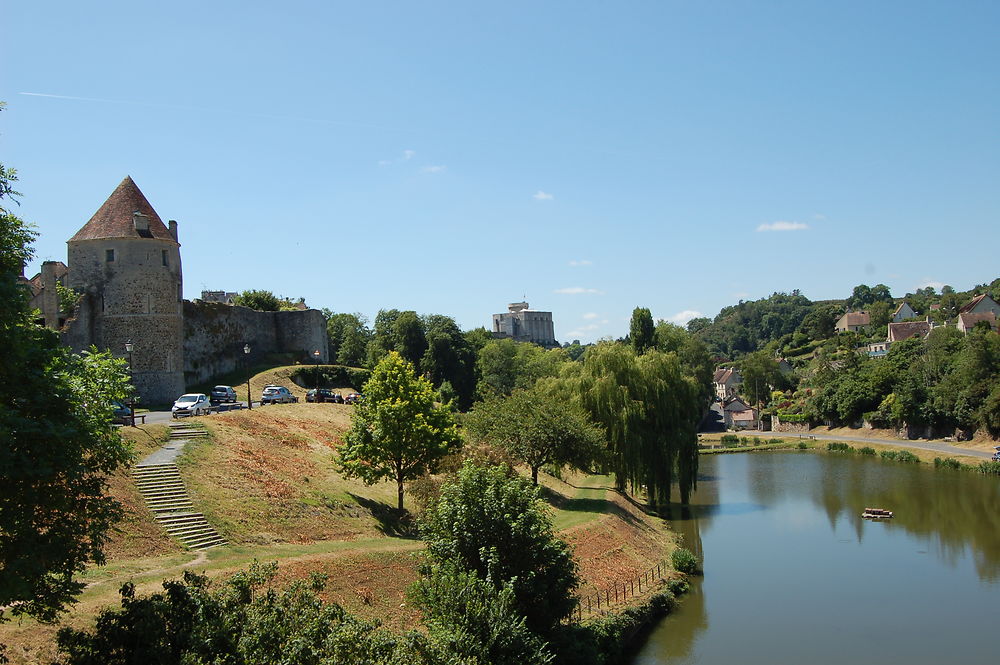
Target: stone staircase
{"x": 161, "y": 486}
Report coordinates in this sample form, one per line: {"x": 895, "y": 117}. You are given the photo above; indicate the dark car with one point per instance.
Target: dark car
{"x": 353, "y": 398}
{"x": 222, "y": 394}
{"x": 324, "y": 395}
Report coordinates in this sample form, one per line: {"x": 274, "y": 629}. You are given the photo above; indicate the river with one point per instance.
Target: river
{"x": 794, "y": 575}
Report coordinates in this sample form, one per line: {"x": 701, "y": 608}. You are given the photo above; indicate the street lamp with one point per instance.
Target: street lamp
{"x": 316, "y": 356}
{"x": 246, "y": 352}
{"x": 131, "y": 399}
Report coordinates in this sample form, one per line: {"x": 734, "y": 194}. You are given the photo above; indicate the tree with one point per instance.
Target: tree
{"x": 537, "y": 426}
{"x": 641, "y": 330}
{"x": 491, "y": 523}
{"x": 649, "y": 411}
{"x": 398, "y": 431}
{"x": 504, "y": 365}
{"x": 761, "y": 375}
{"x": 56, "y": 453}
{"x": 449, "y": 358}
{"x": 348, "y": 335}
{"x": 262, "y": 301}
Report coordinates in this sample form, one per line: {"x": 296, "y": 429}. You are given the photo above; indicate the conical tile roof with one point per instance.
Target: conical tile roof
{"x": 114, "y": 218}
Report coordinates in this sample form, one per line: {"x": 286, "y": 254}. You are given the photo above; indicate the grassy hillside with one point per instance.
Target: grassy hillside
{"x": 266, "y": 479}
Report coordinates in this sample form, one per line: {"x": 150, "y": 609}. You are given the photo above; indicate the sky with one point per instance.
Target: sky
{"x": 588, "y": 157}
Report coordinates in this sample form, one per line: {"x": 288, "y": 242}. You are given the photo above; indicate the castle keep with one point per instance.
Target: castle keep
{"x": 126, "y": 265}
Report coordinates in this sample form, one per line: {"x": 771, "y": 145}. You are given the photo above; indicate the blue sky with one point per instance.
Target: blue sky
{"x": 451, "y": 157}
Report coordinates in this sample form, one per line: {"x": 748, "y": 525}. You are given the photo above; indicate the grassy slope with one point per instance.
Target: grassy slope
{"x": 266, "y": 479}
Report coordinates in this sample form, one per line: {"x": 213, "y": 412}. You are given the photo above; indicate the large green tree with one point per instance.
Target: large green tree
{"x": 504, "y": 365}
{"x": 641, "y": 330}
{"x": 538, "y": 427}
{"x": 649, "y": 410}
{"x": 348, "y": 335}
{"x": 398, "y": 431}
{"x": 57, "y": 445}
{"x": 490, "y": 522}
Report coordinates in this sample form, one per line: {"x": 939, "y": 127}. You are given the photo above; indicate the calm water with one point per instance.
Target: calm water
{"x": 794, "y": 575}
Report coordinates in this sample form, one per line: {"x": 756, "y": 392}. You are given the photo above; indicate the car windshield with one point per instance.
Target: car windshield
{"x": 187, "y": 398}
{"x": 268, "y": 391}
{"x": 220, "y": 389}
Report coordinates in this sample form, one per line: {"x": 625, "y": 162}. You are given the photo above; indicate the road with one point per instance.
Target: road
{"x": 166, "y": 416}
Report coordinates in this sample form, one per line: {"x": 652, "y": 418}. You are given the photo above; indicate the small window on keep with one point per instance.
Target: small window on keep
{"x": 109, "y": 255}
{"x": 163, "y": 257}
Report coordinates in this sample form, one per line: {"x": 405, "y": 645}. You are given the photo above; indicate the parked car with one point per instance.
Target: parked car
{"x": 191, "y": 404}
{"x": 122, "y": 414}
{"x": 221, "y": 394}
{"x": 353, "y": 398}
{"x": 323, "y": 395}
{"x": 277, "y": 395}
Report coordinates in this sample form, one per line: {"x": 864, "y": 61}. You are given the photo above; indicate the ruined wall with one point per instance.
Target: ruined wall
{"x": 214, "y": 336}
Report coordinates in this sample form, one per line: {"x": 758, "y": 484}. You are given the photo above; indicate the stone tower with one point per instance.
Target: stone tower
{"x": 128, "y": 265}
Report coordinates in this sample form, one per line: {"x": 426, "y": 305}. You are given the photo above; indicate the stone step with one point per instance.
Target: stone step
{"x": 197, "y": 543}
{"x": 192, "y": 533}
{"x": 172, "y": 508}
{"x": 155, "y": 485}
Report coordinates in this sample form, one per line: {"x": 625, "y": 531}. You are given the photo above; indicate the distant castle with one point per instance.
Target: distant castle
{"x": 125, "y": 264}
{"x": 525, "y": 325}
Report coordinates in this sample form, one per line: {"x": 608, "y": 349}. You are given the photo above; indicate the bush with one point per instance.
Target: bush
{"x": 867, "y": 450}
{"x": 989, "y": 468}
{"x": 793, "y": 417}
{"x": 729, "y": 440}
{"x": 491, "y": 523}
{"x": 775, "y": 441}
{"x": 907, "y": 456}
{"x": 803, "y": 445}
{"x": 890, "y": 455}
{"x": 947, "y": 463}
{"x": 839, "y": 447}
{"x": 330, "y": 376}
{"x": 684, "y": 561}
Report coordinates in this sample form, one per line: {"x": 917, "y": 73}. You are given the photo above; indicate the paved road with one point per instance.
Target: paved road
{"x": 166, "y": 416}
{"x": 942, "y": 448}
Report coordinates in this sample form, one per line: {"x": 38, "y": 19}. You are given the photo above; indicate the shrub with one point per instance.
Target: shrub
{"x": 491, "y": 523}
{"x": 947, "y": 463}
{"x": 839, "y": 447}
{"x": 774, "y": 441}
{"x": 729, "y": 440}
{"x": 907, "y": 456}
{"x": 684, "y": 561}
{"x": 793, "y": 417}
{"x": 678, "y": 587}
{"x": 867, "y": 450}
{"x": 990, "y": 468}
{"x": 331, "y": 375}
{"x": 889, "y": 455}
{"x": 803, "y": 445}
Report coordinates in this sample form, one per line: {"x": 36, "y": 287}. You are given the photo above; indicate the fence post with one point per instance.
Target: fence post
{"x": 616, "y": 592}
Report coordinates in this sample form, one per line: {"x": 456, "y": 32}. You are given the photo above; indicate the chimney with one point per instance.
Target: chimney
{"x": 172, "y": 227}
{"x": 140, "y": 222}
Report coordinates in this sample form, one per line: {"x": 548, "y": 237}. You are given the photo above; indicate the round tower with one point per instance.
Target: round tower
{"x": 128, "y": 263}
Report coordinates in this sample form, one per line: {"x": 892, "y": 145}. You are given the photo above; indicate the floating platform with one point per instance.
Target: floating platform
{"x": 876, "y": 514}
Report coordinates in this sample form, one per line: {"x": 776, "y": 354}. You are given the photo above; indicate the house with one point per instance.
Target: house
{"x": 853, "y": 322}
{"x": 903, "y": 312}
{"x": 726, "y": 381}
{"x": 980, "y": 305}
{"x": 737, "y": 414}
{"x": 907, "y": 329}
{"x": 968, "y": 320}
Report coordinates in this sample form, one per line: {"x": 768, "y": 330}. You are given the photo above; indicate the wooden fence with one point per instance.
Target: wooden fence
{"x": 603, "y": 600}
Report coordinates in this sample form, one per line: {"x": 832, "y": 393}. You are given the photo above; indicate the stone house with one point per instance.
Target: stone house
{"x": 980, "y": 308}
{"x": 737, "y": 414}
{"x": 523, "y": 324}
{"x": 903, "y": 312}
{"x": 853, "y": 322}
{"x": 726, "y": 382}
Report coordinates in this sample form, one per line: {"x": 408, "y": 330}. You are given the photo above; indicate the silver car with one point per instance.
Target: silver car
{"x": 191, "y": 404}
{"x": 277, "y": 395}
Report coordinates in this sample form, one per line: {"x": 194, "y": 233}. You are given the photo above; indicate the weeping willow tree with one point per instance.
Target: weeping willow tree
{"x": 650, "y": 411}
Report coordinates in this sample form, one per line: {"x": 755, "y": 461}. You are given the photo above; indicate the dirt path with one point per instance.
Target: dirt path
{"x": 942, "y": 448}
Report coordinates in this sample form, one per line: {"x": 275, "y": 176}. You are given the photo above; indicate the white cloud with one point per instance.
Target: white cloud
{"x": 681, "y": 318}
{"x": 927, "y": 281}
{"x": 436, "y": 168}
{"x": 818, "y": 216}
{"x": 408, "y": 155}
{"x": 542, "y": 196}
{"x": 384, "y": 162}
{"x": 783, "y": 226}
{"x": 574, "y": 290}
{"x": 581, "y": 262}
{"x": 591, "y": 315}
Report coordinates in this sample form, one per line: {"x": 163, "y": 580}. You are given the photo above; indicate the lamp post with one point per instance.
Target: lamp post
{"x": 316, "y": 356}
{"x": 131, "y": 399}
{"x": 246, "y": 352}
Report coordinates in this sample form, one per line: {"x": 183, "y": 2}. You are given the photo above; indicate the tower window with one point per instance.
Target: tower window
{"x": 163, "y": 257}
{"x": 109, "y": 255}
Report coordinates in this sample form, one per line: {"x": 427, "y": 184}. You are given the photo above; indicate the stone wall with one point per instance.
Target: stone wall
{"x": 214, "y": 336}
{"x": 778, "y": 426}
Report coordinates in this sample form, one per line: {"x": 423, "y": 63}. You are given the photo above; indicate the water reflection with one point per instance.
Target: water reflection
{"x": 795, "y": 575}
